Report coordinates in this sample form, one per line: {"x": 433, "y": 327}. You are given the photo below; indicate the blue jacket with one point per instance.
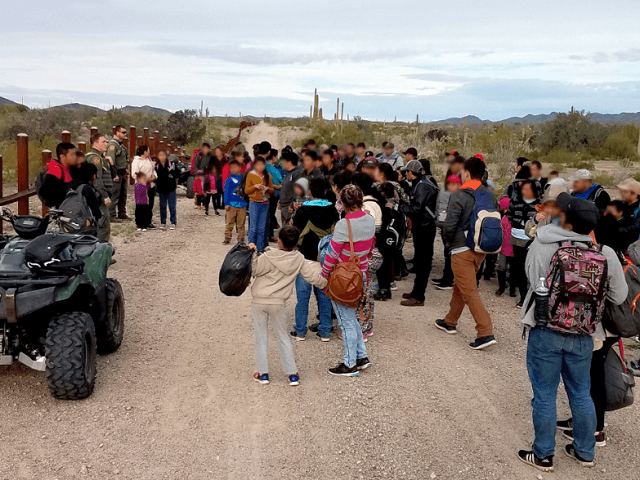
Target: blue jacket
{"x": 276, "y": 176}
{"x": 231, "y": 196}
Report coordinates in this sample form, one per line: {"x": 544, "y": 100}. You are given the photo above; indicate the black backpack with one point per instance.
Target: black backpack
{"x": 77, "y": 216}
{"x": 394, "y": 230}
{"x": 38, "y": 184}
{"x": 624, "y": 320}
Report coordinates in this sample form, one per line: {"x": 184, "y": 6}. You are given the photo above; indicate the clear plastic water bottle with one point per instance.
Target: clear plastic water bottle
{"x": 542, "y": 302}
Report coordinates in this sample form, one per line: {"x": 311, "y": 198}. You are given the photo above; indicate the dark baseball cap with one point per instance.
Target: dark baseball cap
{"x": 412, "y": 151}
{"x": 369, "y": 163}
{"x": 581, "y": 214}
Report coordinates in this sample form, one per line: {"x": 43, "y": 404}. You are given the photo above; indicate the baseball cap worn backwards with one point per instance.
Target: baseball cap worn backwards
{"x": 581, "y": 214}
{"x": 414, "y": 166}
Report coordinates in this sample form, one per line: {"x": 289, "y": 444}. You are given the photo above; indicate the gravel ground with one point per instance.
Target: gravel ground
{"x": 177, "y": 400}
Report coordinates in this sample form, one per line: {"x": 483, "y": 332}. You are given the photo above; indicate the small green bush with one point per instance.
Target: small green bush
{"x": 604, "y": 179}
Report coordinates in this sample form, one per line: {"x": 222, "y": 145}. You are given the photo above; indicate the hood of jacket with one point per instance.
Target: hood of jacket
{"x": 556, "y": 234}
{"x": 287, "y": 262}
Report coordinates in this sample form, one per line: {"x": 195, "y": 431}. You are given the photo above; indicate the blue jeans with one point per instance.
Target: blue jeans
{"x": 303, "y": 292}
{"x": 258, "y": 215}
{"x": 354, "y": 347}
{"x": 171, "y": 200}
{"x": 549, "y": 355}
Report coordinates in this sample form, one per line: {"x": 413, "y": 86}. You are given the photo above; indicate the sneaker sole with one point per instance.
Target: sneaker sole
{"x": 354, "y": 374}
{"x": 485, "y": 345}
{"x": 324, "y": 339}
{"x": 564, "y": 429}
{"x": 579, "y": 462}
{"x": 440, "y": 287}
{"x": 598, "y": 444}
{"x": 365, "y": 366}
{"x": 294, "y": 384}
{"x": 450, "y": 332}
{"x": 539, "y": 467}
{"x": 262, "y": 382}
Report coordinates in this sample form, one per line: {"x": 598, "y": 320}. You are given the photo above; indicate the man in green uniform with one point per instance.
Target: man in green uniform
{"x": 104, "y": 183}
{"x": 117, "y": 152}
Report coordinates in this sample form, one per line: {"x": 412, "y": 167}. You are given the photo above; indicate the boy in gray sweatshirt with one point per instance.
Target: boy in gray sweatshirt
{"x": 275, "y": 273}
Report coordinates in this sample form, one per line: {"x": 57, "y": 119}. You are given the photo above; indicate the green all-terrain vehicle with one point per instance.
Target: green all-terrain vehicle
{"x": 58, "y": 309}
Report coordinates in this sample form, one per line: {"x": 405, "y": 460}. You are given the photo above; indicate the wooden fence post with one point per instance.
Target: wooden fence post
{"x": 46, "y": 157}
{"x": 82, "y": 146}
{"x": 145, "y": 136}
{"x": 93, "y": 131}
{"x": 66, "y": 136}
{"x": 23, "y": 172}
{"x": 132, "y": 142}
{"x": 152, "y": 147}
{"x": 156, "y": 141}
{"x": 139, "y": 141}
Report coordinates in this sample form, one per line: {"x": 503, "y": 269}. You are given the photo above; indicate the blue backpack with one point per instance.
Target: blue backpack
{"x": 485, "y": 228}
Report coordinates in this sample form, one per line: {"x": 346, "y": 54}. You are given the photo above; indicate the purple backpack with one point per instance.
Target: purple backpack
{"x": 577, "y": 285}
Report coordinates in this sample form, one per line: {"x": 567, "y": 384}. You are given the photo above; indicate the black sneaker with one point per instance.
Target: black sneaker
{"x": 484, "y": 342}
{"x": 299, "y": 338}
{"x": 314, "y": 327}
{"x": 437, "y": 281}
{"x": 564, "y": 425}
{"x": 344, "y": 371}
{"x": 151, "y": 226}
{"x": 601, "y": 438}
{"x": 323, "y": 339}
{"x": 382, "y": 295}
{"x": 446, "y": 328}
{"x": 570, "y": 451}
{"x": 444, "y": 286}
{"x": 499, "y": 292}
{"x": 520, "y": 304}
{"x": 545, "y": 464}
{"x": 363, "y": 363}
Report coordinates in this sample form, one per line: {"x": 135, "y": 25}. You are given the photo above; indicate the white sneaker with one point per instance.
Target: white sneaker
{"x": 144, "y": 229}
{"x": 172, "y": 227}
{"x": 139, "y": 229}
{"x": 393, "y": 287}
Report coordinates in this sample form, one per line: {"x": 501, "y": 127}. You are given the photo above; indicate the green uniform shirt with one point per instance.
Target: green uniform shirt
{"x": 118, "y": 154}
{"x": 104, "y": 182}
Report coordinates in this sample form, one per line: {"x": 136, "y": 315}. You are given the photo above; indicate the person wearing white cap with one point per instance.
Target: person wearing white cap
{"x": 585, "y": 189}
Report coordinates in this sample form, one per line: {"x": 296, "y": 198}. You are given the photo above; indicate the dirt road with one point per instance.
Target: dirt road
{"x": 177, "y": 401}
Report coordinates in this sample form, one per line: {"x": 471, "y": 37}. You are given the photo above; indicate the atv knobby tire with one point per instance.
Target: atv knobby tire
{"x": 71, "y": 354}
{"x": 110, "y": 330}
{"x": 190, "y": 180}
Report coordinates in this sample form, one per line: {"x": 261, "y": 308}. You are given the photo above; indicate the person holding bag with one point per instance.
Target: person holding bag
{"x": 350, "y": 248}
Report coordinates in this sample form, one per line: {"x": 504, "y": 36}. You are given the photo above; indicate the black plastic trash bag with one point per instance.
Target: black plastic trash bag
{"x": 235, "y": 273}
{"x": 618, "y": 382}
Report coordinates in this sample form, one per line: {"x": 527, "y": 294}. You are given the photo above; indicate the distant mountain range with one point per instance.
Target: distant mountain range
{"x": 604, "y": 118}
{"x": 6, "y": 101}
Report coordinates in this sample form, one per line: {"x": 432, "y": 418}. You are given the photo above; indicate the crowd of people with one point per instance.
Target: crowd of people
{"x": 340, "y": 207}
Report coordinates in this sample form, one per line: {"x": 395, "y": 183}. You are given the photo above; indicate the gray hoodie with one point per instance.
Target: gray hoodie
{"x": 547, "y": 241}
{"x": 276, "y": 271}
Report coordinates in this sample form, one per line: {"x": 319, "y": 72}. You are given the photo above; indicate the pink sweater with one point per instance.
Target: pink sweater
{"x": 363, "y": 229}
{"x": 507, "y": 248}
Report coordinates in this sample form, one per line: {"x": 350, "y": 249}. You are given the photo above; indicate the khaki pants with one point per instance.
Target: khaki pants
{"x": 235, "y": 217}
{"x": 465, "y": 292}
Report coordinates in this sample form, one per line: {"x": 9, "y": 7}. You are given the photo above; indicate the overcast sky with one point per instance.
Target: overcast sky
{"x": 493, "y": 59}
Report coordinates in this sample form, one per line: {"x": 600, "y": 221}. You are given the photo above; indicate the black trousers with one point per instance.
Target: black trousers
{"x": 143, "y": 215}
{"x": 152, "y": 201}
{"x": 518, "y": 275}
{"x": 273, "y": 208}
{"x": 423, "y": 238}
{"x": 447, "y": 273}
{"x": 385, "y": 272}
{"x": 208, "y": 199}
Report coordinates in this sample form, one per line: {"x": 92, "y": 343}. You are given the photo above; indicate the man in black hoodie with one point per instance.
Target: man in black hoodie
{"x": 421, "y": 210}
{"x": 315, "y": 219}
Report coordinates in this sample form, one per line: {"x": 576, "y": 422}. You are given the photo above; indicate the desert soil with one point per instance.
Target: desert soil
{"x": 178, "y": 401}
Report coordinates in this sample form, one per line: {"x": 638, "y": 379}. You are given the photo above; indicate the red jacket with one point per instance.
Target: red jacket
{"x": 198, "y": 187}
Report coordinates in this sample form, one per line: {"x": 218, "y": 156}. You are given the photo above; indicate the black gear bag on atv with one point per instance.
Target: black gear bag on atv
{"x": 235, "y": 273}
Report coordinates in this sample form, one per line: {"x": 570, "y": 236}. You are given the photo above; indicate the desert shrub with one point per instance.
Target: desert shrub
{"x": 618, "y": 145}
{"x": 604, "y": 179}
{"x": 556, "y": 166}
